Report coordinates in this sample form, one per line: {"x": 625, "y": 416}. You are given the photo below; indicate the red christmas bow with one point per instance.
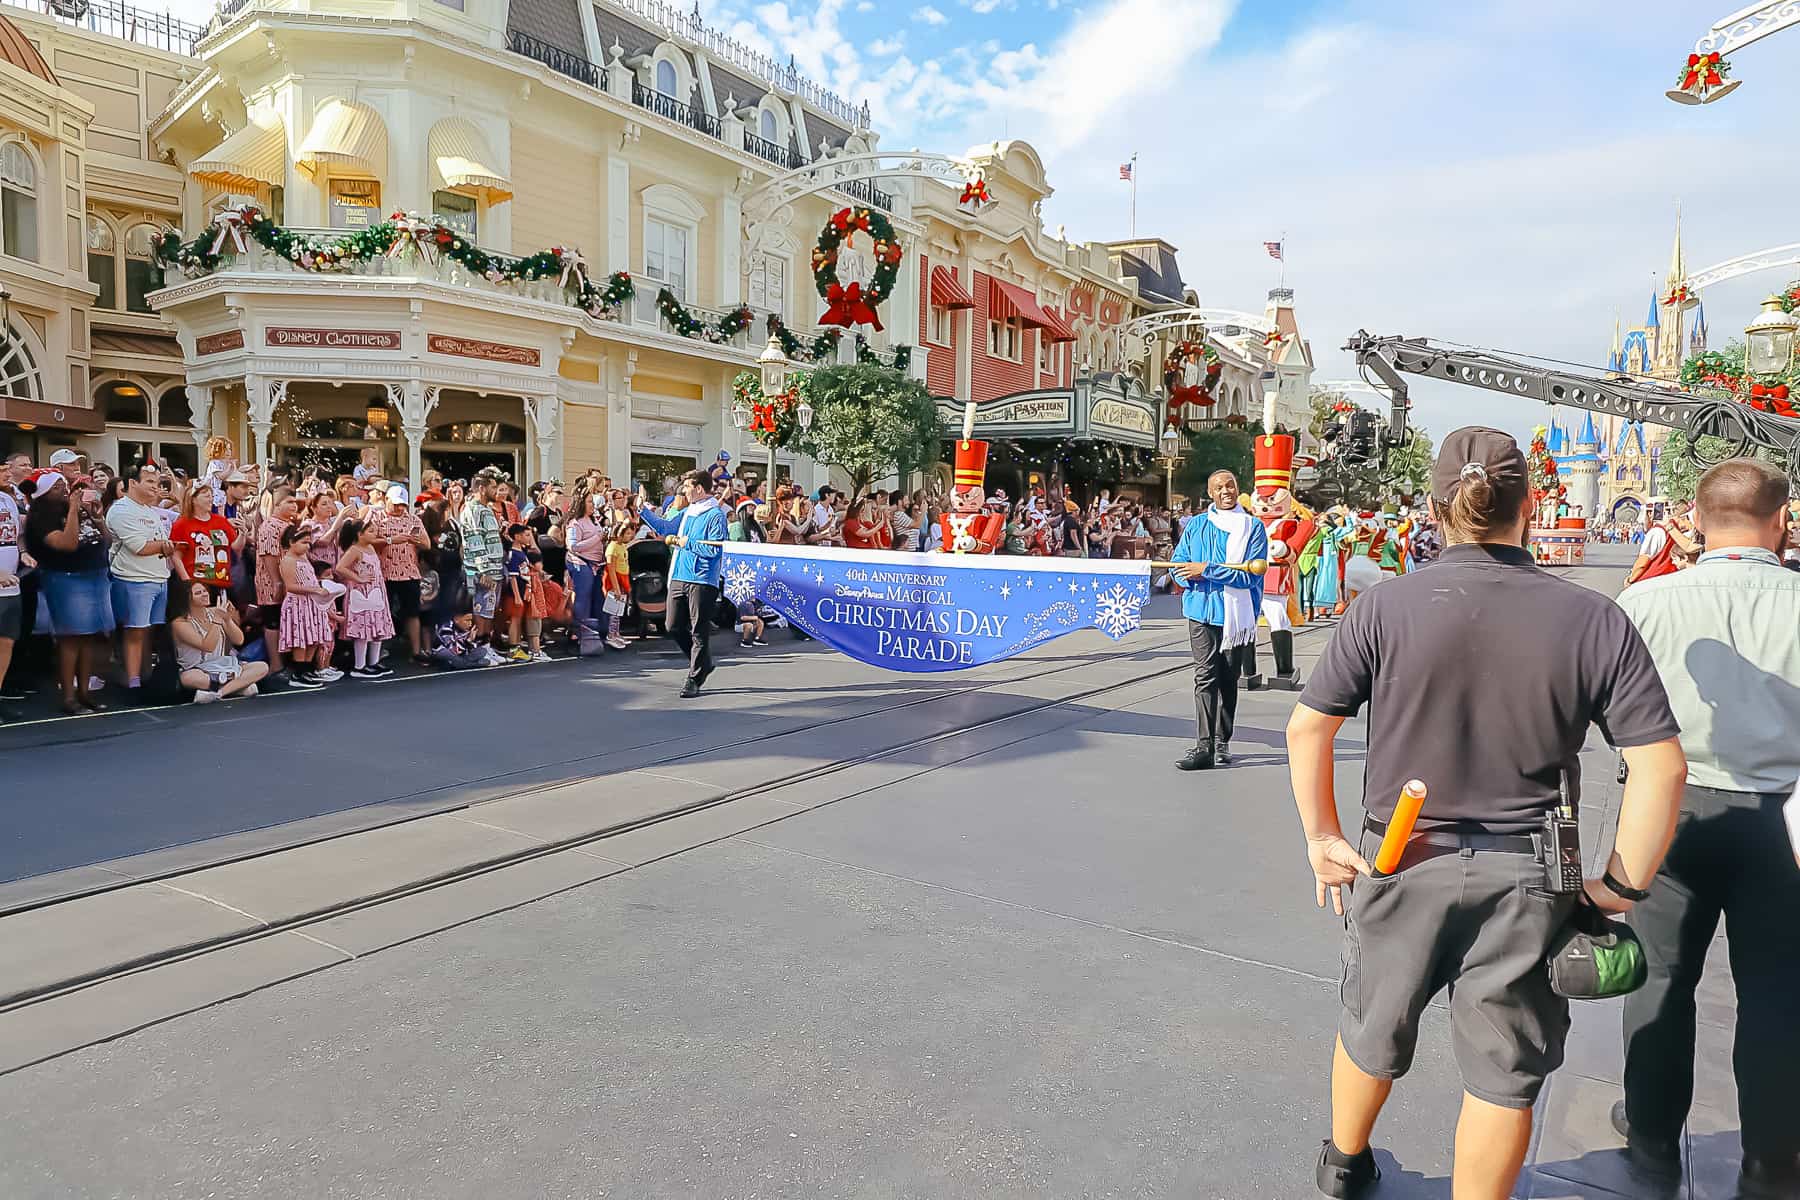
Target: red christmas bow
{"x": 975, "y": 193}
{"x": 762, "y": 418}
{"x": 847, "y": 307}
{"x": 1702, "y": 68}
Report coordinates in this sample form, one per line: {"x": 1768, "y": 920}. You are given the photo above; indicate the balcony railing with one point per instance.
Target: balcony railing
{"x": 556, "y": 58}
{"x": 259, "y": 261}
{"x": 768, "y": 151}
{"x": 158, "y": 30}
{"x": 648, "y": 314}
{"x": 674, "y": 110}
{"x": 731, "y": 52}
{"x": 866, "y": 191}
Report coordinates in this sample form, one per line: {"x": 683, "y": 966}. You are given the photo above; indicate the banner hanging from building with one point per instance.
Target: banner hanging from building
{"x": 935, "y": 612}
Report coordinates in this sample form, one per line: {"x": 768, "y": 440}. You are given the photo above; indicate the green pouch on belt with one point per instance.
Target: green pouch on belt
{"x": 1594, "y": 957}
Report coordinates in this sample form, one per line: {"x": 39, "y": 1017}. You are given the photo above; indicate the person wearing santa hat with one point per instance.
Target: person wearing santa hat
{"x": 969, "y": 527}
{"x": 1274, "y": 506}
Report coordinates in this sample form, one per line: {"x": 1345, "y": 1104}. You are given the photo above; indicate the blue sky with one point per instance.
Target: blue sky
{"x": 1500, "y": 175}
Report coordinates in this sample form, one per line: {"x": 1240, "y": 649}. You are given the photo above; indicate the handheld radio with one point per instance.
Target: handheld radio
{"x": 1562, "y": 844}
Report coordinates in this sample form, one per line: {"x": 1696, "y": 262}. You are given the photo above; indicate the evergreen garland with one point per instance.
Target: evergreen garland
{"x": 821, "y": 349}
{"x": 688, "y": 325}
{"x": 868, "y": 356}
{"x": 401, "y": 233}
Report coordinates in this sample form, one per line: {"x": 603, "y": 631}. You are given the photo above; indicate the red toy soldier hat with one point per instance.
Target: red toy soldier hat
{"x": 971, "y": 464}
{"x": 1274, "y": 463}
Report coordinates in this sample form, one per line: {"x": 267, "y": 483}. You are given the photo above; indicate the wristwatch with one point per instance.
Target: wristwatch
{"x": 1620, "y": 890}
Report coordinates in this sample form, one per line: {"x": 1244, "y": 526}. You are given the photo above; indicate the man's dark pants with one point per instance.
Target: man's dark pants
{"x": 690, "y": 623}
{"x": 1730, "y": 857}
{"x": 1215, "y": 682}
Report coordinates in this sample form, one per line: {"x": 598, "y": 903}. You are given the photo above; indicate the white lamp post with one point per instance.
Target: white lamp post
{"x": 1769, "y": 340}
{"x": 774, "y": 364}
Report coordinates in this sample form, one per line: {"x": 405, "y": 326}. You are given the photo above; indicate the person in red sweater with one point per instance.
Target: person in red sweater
{"x": 203, "y": 538}
{"x": 863, "y": 532}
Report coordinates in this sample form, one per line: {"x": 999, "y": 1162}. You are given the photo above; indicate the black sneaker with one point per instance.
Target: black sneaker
{"x": 303, "y": 683}
{"x": 690, "y": 690}
{"x": 377, "y": 671}
{"x": 759, "y": 641}
{"x": 1198, "y": 759}
{"x": 1343, "y": 1175}
{"x": 365, "y": 673}
{"x": 1223, "y": 754}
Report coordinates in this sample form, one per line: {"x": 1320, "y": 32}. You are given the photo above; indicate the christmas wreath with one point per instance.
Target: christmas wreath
{"x": 1723, "y": 371}
{"x": 772, "y": 418}
{"x": 1182, "y": 394}
{"x": 855, "y": 304}
{"x": 401, "y": 234}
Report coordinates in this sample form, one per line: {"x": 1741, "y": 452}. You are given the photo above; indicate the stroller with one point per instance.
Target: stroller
{"x": 649, "y": 567}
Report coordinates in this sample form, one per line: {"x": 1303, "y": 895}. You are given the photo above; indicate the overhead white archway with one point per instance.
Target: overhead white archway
{"x": 772, "y": 204}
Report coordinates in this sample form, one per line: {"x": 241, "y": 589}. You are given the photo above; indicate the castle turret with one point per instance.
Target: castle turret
{"x": 1583, "y": 474}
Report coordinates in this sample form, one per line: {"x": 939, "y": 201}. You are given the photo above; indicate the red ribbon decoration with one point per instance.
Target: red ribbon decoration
{"x": 1702, "y": 67}
{"x": 847, "y": 307}
{"x": 762, "y": 418}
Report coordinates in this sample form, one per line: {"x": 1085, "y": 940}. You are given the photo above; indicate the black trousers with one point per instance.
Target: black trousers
{"x": 1730, "y": 857}
{"x": 690, "y": 623}
{"x": 1215, "y": 681}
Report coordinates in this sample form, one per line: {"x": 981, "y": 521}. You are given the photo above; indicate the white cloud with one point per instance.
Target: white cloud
{"x": 986, "y": 6}
{"x": 865, "y": 6}
{"x": 931, "y": 16}
{"x": 882, "y": 47}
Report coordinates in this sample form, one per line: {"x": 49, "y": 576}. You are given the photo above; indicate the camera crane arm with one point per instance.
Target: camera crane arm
{"x": 1743, "y": 427}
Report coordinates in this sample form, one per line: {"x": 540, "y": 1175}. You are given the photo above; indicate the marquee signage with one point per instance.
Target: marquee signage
{"x": 935, "y": 612}
{"x": 218, "y": 343}
{"x": 292, "y": 336}
{"x": 1047, "y": 408}
{"x": 1117, "y": 414}
{"x": 1110, "y": 407}
{"x": 462, "y": 347}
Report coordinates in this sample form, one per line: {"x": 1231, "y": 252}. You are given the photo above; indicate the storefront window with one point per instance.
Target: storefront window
{"x": 18, "y": 372}
{"x": 123, "y": 403}
{"x": 180, "y": 456}
{"x": 456, "y": 211}
{"x": 355, "y": 203}
{"x": 102, "y": 262}
{"x": 656, "y": 471}
{"x": 173, "y": 409}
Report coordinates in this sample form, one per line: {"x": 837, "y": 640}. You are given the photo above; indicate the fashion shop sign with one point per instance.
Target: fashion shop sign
{"x": 935, "y": 612}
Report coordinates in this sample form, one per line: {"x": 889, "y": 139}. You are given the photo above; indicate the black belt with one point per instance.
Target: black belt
{"x": 1448, "y": 840}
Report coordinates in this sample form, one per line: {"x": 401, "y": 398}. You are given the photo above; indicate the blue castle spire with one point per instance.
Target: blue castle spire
{"x": 1654, "y": 320}
{"x": 1589, "y": 436}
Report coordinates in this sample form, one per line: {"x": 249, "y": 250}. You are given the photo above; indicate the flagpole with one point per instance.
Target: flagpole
{"x": 1134, "y": 158}
{"x": 1283, "y": 258}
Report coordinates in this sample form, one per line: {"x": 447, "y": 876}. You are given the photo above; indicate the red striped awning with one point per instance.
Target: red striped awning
{"x": 1009, "y": 300}
{"x": 946, "y": 292}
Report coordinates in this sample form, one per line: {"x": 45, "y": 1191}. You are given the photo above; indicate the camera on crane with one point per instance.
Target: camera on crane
{"x": 1360, "y": 437}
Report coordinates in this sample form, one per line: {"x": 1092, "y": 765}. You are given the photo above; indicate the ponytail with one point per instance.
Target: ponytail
{"x": 1473, "y": 515}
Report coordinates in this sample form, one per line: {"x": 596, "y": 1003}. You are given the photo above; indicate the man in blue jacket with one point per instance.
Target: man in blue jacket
{"x": 1221, "y": 605}
{"x": 696, "y": 533}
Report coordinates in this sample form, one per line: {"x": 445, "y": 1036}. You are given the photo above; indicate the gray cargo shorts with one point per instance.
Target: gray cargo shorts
{"x": 1470, "y": 921}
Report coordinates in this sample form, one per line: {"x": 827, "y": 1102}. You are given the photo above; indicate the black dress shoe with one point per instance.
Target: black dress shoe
{"x": 1346, "y": 1176}
{"x": 1769, "y": 1179}
{"x": 1655, "y": 1159}
{"x": 690, "y": 690}
{"x": 1198, "y": 759}
{"x": 1223, "y": 754}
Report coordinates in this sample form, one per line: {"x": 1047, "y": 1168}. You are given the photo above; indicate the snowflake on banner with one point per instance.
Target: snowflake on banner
{"x": 740, "y": 583}
{"x": 1116, "y": 612}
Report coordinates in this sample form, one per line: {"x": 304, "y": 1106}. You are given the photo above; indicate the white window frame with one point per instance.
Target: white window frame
{"x": 668, "y": 52}
{"x": 761, "y": 265}
{"x": 111, "y": 252}
{"x": 1046, "y": 354}
{"x": 32, "y": 191}
{"x": 669, "y": 205}
{"x": 941, "y": 325}
{"x": 125, "y": 259}
{"x": 1006, "y": 339}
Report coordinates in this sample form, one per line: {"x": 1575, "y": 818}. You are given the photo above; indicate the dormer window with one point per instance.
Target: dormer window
{"x": 665, "y": 78}
{"x": 767, "y": 127}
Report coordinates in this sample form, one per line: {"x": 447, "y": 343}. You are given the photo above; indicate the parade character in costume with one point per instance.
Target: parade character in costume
{"x": 1288, "y": 535}
{"x": 1388, "y": 550}
{"x": 970, "y": 527}
{"x": 1327, "y": 581}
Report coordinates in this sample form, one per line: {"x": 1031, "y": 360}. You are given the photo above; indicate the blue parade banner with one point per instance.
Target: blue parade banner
{"x": 935, "y": 612}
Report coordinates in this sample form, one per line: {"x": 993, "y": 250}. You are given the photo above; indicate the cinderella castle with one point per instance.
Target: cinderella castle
{"x": 1611, "y": 467}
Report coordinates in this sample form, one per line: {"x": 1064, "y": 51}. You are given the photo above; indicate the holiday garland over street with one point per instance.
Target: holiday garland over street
{"x": 402, "y": 233}
{"x": 1721, "y": 372}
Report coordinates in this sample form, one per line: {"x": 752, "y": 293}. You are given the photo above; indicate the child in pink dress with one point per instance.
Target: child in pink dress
{"x": 305, "y": 612}
{"x": 367, "y": 620}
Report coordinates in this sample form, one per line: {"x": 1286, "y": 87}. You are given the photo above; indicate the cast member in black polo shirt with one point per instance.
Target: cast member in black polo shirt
{"x": 1482, "y": 676}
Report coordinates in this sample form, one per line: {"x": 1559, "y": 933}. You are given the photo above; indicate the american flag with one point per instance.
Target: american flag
{"x": 1125, "y": 170}
{"x": 1274, "y": 249}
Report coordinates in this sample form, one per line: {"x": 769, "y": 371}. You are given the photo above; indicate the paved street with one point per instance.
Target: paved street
{"x": 1014, "y": 954}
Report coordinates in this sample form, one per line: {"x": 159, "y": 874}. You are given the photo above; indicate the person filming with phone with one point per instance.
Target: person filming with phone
{"x": 1466, "y": 694}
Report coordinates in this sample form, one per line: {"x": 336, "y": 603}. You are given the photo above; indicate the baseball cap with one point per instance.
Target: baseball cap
{"x": 397, "y": 494}
{"x": 1474, "y": 451}
{"x": 65, "y": 455}
{"x": 724, "y": 456}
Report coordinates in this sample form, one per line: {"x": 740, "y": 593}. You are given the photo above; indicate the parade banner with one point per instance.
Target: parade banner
{"x": 935, "y": 612}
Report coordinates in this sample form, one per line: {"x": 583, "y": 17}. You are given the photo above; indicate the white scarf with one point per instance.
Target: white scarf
{"x": 1240, "y": 613}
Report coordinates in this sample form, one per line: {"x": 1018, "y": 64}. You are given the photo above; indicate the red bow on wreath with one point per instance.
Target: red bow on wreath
{"x": 1702, "y": 68}
{"x": 762, "y": 418}
{"x": 848, "y": 307}
{"x": 1767, "y": 397}
{"x": 975, "y": 192}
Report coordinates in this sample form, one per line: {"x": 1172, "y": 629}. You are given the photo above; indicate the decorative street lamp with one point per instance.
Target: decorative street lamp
{"x": 1769, "y": 340}
{"x": 774, "y": 363}
{"x": 5, "y": 306}
{"x": 1169, "y": 459}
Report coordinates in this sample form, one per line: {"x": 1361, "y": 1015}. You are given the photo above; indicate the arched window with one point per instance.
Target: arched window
{"x": 665, "y": 77}
{"x": 769, "y": 132}
{"x": 18, "y": 203}
{"x": 18, "y": 370}
{"x": 102, "y": 262}
{"x": 173, "y": 409}
{"x": 142, "y": 275}
{"x": 123, "y": 403}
